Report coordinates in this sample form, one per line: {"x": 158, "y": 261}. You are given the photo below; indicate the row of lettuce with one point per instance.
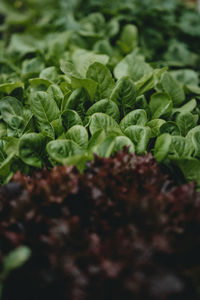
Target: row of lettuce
{"x": 66, "y": 235}
{"x": 88, "y": 89}
{"x": 85, "y": 110}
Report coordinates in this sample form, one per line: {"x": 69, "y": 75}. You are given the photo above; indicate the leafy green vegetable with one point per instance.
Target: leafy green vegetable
{"x": 91, "y": 77}
{"x": 185, "y": 121}
{"x": 60, "y": 149}
{"x": 105, "y": 106}
{"x": 162, "y": 146}
{"x": 124, "y": 94}
{"x": 160, "y": 105}
{"x": 135, "y": 117}
{"x": 140, "y": 137}
{"x": 79, "y": 135}
{"x": 100, "y": 74}
{"x": 173, "y": 88}
{"x": 31, "y": 149}
{"x": 101, "y": 120}
{"x": 132, "y": 65}
{"x": 45, "y": 110}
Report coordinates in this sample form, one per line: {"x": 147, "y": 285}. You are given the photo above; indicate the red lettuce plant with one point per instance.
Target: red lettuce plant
{"x": 122, "y": 230}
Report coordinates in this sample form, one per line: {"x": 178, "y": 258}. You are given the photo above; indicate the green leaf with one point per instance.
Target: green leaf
{"x": 70, "y": 118}
{"x": 79, "y": 161}
{"x": 179, "y": 148}
{"x": 196, "y": 143}
{"x": 88, "y": 84}
{"x": 22, "y": 44}
{"x": 79, "y": 135}
{"x": 49, "y": 74}
{"x": 96, "y": 139}
{"x": 129, "y": 38}
{"x": 101, "y": 74}
{"x": 5, "y": 168}
{"x": 28, "y": 120}
{"x": 186, "y": 76}
{"x": 121, "y": 142}
{"x": 101, "y": 120}
{"x": 11, "y": 146}
{"x": 141, "y": 103}
{"x": 61, "y": 149}
{"x": 162, "y": 146}
{"x": 67, "y": 94}
{"x": 106, "y": 147}
{"x": 185, "y": 122}
{"x": 12, "y": 114}
{"x": 190, "y": 135}
{"x": 193, "y": 89}
{"x": 39, "y": 83}
{"x": 78, "y": 101}
{"x": 124, "y": 94}
{"x": 155, "y": 126}
{"x": 68, "y": 68}
{"x": 132, "y": 65}
{"x": 57, "y": 127}
{"x": 140, "y": 137}
{"x": 105, "y": 106}
{"x": 3, "y": 154}
{"x": 135, "y": 117}
{"x": 173, "y": 88}
{"x": 7, "y": 88}
{"x": 32, "y": 67}
{"x": 148, "y": 81}
{"x": 31, "y": 149}
{"x": 190, "y": 168}
{"x": 15, "y": 259}
{"x": 112, "y": 144}
{"x": 170, "y": 127}
{"x": 3, "y": 129}
{"x": 44, "y": 109}
{"x": 188, "y": 107}
{"x": 82, "y": 59}
{"x": 55, "y": 92}
{"x": 160, "y": 105}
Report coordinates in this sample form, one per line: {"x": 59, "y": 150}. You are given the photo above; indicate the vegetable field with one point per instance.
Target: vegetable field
{"x": 99, "y": 150}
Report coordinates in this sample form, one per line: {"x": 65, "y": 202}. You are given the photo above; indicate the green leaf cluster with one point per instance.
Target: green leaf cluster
{"x": 89, "y": 78}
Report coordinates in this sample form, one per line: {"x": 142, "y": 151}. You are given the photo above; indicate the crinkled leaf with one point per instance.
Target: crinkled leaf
{"x": 135, "y": 117}
{"x": 173, "y": 88}
{"x": 101, "y": 74}
{"x": 70, "y": 118}
{"x": 88, "y": 84}
{"x": 60, "y": 149}
{"x": 185, "y": 122}
{"x": 79, "y": 135}
{"x": 105, "y": 106}
{"x": 102, "y": 121}
{"x": 56, "y": 94}
{"x": 44, "y": 109}
{"x": 170, "y": 127}
{"x": 155, "y": 126}
{"x": 7, "y": 88}
{"x": 12, "y": 113}
{"x": 179, "y": 148}
{"x": 140, "y": 137}
{"x": 132, "y": 65}
{"x": 31, "y": 149}
{"x": 83, "y": 59}
{"x": 160, "y": 105}
{"x": 162, "y": 146}
{"x": 124, "y": 94}
{"x": 78, "y": 101}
